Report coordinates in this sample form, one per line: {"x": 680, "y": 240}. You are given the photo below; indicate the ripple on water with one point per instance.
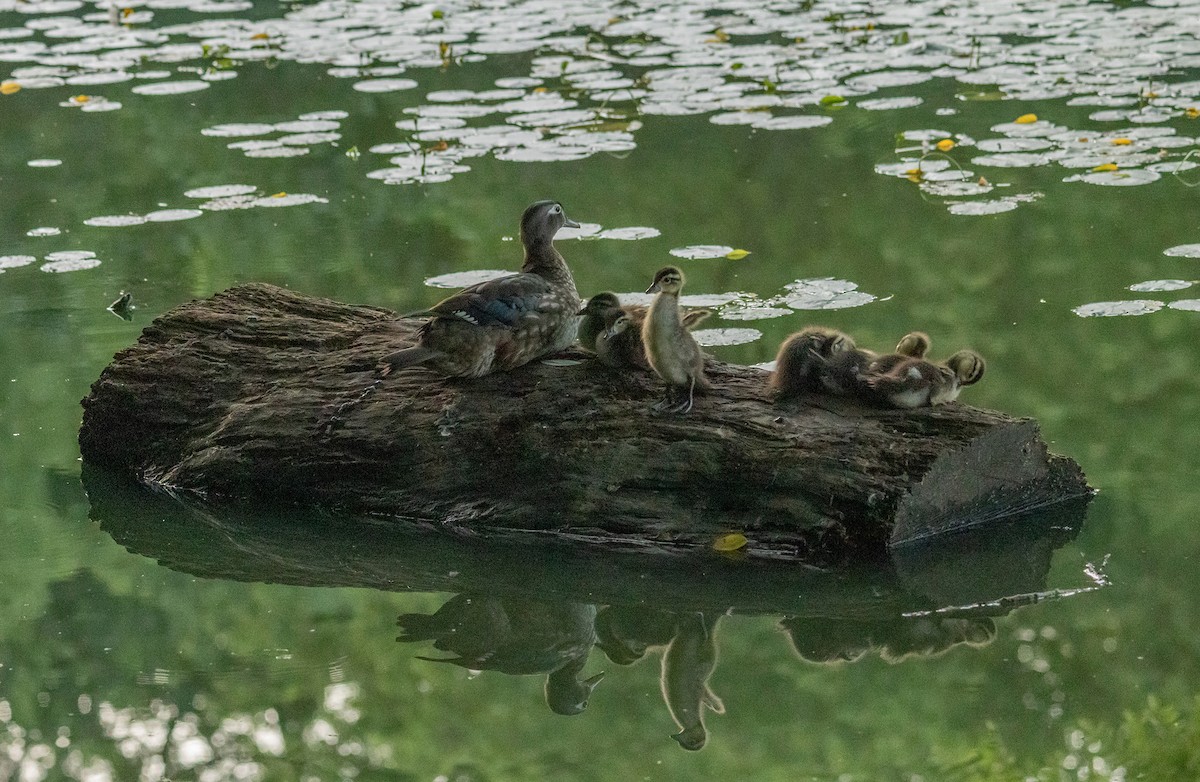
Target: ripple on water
{"x": 1104, "y": 309}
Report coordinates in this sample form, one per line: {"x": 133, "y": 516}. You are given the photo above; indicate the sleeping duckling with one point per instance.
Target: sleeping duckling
{"x": 672, "y": 352}
{"x": 804, "y": 357}
{"x": 914, "y": 344}
{"x": 846, "y": 373}
{"x": 620, "y": 344}
{"x": 915, "y": 382}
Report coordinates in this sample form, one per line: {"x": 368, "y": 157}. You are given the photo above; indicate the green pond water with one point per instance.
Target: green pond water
{"x": 1016, "y": 177}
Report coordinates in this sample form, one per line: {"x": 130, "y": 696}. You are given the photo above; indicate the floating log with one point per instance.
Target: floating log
{"x": 267, "y": 395}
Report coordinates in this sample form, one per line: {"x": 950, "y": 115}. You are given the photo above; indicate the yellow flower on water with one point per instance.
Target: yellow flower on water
{"x": 1122, "y": 142}
{"x": 1026, "y": 119}
{"x": 280, "y": 194}
{"x": 9, "y": 87}
{"x": 945, "y": 145}
{"x": 1106, "y": 167}
{"x": 913, "y": 175}
{"x": 731, "y": 542}
{"x": 737, "y": 255}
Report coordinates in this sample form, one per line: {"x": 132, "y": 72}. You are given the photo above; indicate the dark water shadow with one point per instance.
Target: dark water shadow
{"x": 538, "y": 606}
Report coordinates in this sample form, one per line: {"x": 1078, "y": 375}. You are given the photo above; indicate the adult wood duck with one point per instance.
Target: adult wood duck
{"x": 614, "y": 332}
{"x": 916, "y": 382}
{"x": 670, "y": 348}
{"x": 804, "y": 358}
{"x": 503, "y": 323}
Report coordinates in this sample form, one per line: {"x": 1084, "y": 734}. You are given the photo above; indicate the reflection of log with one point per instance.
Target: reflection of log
{"x": 320, "y": 550}
{"x": 231, "y": 397}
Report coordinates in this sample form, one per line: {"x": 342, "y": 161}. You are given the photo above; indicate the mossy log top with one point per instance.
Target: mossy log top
{"x": 263, "y": 394}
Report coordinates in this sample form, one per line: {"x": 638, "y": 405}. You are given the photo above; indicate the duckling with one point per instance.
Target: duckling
{"x": 591, "y": 324}
{"x": 914, "y": 344}
{"x": 672, "y": 352}
{"x": 915, "y": 382}
{"x": 804, "y": 357}
{"x": 504, "y": 323}
{"x": 686, "y": 667}
{"x": 620, "y": 344}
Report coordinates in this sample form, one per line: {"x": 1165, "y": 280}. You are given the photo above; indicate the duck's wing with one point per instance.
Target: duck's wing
{"x": 500, "y": 302}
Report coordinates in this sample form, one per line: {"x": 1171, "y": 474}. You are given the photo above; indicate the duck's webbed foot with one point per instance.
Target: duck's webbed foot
{"x": 685, "y": 400}
{"x": 667, "y": 402}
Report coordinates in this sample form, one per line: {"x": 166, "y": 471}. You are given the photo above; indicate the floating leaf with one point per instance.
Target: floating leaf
{"x": 280, "y": 194}
{"x": 1122, "y": 142}
{"x": 259, "y": 37}
{"x": 737, "y": 255}
{"x": 945, "y": 145}
{"x": 832, "y": 100}
{"x": 1183, "y": 251}
{"x": 1106, "y": 167}
{"x": 1108, "y": 309}
{"x": 438, "y": 13}
{"x": 731, "y": 542}
{"x": 1026, "y": 119}
{"x": 9, "y": 87}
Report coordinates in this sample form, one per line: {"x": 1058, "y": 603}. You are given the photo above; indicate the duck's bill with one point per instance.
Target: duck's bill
{"x": 569, "y": 223}
{"x": 655, "y": 288}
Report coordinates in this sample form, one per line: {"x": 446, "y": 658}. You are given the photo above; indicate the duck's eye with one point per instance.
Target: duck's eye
{"x": 556, "y": 209}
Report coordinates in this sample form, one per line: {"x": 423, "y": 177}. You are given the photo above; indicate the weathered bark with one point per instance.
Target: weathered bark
{"x": 264, "y": 394}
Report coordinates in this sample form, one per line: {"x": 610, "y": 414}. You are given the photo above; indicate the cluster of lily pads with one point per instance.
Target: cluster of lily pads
{"x": 1146, "y": 306}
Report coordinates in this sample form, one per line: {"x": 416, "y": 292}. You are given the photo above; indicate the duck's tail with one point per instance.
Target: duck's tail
{"x": 401, "y": 359}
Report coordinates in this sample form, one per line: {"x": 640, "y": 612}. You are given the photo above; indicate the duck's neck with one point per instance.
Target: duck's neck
{"x": 665, "y": 310}
{"x": 542, "y": 259}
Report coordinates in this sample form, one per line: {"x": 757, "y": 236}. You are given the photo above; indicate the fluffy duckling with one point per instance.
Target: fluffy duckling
{"x": 672, "y": 352}
{"x": 620, "y": 344}
{"x": 503, "y": 323}
{"x": 804, "y": 358}
{"x": 593, "y": 315}
{"x": 914, "y": 344}
{"x": 915, "y": 382}
{"x": 846, "y": 372}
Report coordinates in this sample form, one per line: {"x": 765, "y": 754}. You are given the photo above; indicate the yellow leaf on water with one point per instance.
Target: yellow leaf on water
{"x": 737, "y": 255}
{"x": 9, "y": 87}
{"x": 1191, "y": 112}
{"x": 126, "y": 12}
{"x": 913, "y": 175}
{"x": 1122, "y": 142}
{"x": 1025, "y": 119}
{"x": 259, "y": 37}
{"x": 718, "y": 36}
{"x": 539, "y": 90}
{"x": 945, "y": 145}
{"x": 82, "y": 98}
{"x": 731, "y": 542}
{"x": 983, "y": 181}
{"x": 1106, "y": 167}
{"x": 280, "y": 194}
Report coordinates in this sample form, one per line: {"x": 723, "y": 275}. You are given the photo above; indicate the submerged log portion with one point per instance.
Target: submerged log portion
{"x": 263, "y": 394}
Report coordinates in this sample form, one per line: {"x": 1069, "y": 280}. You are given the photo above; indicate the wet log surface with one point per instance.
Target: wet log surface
{"x": 243, "y": 396}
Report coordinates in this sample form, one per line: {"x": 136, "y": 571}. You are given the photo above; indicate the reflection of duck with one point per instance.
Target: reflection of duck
{"x": 672, "y": 352}
{"x": 916, "y": 382}
{"x": 686, "y": 667}
{"x": 896, "y": 640}
{"x": 804, "y": 357}
{"x": 503, "y": 323}
{"x": 516, "y": 638}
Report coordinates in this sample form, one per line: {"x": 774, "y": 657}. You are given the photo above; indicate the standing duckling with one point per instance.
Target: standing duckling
{"x": 503, "y": 323}
{"x": 916, "y": 382}
{"x": 804, "y": 357}
{"x": 670, "y": 348}
{"x": 620, "y": 344}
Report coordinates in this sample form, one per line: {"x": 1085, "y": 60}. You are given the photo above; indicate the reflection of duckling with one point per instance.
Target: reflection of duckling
{"x": 625, "y": 633}
{"x": 825, "y": 641}
{"x": 504, "y": 323}
{"x": 122, "y": 306}
{"x": 829, "y": 640}
{"x": 804, "y": 357}
{"x": 929, "y": 637}
{"x": 686, "y": 667}
{"x": 620, "y": 344}
{"x": 517, "y": 638}
{"x": 672, "y": 352}
{"x": 916, "y": 382}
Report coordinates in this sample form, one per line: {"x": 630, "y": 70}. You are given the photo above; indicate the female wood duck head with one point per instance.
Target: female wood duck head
{"x": 668, "y": 279}
{"x": 541, "y": 222}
